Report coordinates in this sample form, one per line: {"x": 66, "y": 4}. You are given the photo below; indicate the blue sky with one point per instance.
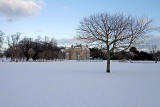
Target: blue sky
{"x": 60, "y": 18}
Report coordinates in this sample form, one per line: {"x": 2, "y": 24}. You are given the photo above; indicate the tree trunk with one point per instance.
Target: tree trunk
{"x": 108, "y": 61}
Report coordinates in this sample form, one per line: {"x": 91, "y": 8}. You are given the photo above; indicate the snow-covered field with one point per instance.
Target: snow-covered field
{"x": 79, "y": 84}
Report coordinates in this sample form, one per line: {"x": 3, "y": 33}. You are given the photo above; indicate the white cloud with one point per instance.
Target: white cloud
{"x": 15, "y": 9}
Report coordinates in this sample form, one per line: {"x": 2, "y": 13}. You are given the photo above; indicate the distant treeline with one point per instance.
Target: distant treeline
{"x": 28, "y": 48}
{"x": 132, "y": 54}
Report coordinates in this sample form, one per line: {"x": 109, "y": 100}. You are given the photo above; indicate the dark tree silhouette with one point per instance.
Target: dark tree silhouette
{"x": 115, "y": 32}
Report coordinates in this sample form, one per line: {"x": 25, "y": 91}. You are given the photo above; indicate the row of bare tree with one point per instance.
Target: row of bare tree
{"x": 27, "y": 48}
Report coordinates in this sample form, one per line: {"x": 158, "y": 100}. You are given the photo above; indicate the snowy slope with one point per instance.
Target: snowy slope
{"x": 79, "y": 84}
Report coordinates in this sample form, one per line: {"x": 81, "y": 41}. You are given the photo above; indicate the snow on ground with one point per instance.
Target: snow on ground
{"x": 79, "y": 84}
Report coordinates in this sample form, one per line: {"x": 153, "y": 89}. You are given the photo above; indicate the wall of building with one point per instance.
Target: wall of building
{"x": 78, "y": 53}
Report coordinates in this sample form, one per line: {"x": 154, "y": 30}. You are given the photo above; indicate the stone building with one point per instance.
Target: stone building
{"x": 77, "y": 52}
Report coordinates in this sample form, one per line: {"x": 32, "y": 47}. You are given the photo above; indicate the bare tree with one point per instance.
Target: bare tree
{"x": 53, "y": 41}
{"x": 154, "y": 50}
{"x": 15, "y": 38}
{"x": 12, "y": 42}
{"x": 114, "y": 32}
{"x": 1, "y": 39}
